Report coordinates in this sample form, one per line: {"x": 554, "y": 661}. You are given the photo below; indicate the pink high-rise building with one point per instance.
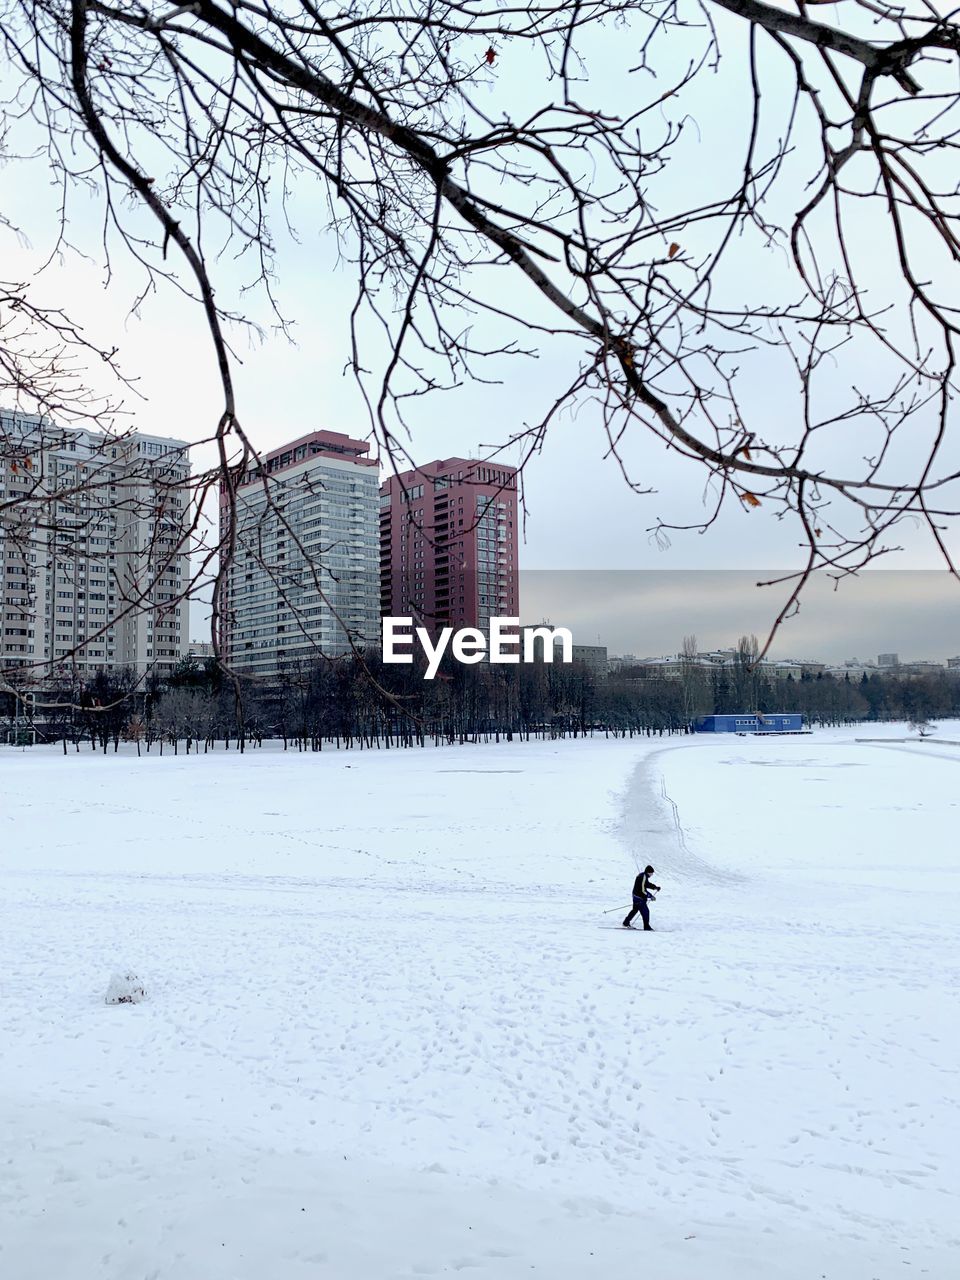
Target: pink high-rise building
{"x": 448, "y": 544}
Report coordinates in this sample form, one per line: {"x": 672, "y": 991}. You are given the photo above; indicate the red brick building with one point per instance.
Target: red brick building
{"x": 448, "y": 544}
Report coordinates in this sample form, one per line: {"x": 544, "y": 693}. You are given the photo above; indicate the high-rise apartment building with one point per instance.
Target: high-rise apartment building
{"x": 304, "y": 578}
{"x": 448, "y": 543}
{"x": 94, "y": 555}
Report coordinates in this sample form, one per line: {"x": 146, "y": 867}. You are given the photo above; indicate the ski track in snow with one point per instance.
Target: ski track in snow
{"x": 386, "y": 1037}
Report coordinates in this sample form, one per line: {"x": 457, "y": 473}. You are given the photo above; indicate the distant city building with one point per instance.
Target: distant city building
{"x": 795, "y": 668}
{"x": 669, "y": 667}
{"x": 853, "y": 669}
{"x": 593, "y": 657}
{"x": 94, "y": 552}
{"x": 304, "y": 579}
{"x": 449, "y": 532}
{"x": 617, "y": 662}
{"x": 200, "y": 650}
{"x": 673, "y": 666}
{"x": 920, "y": 669}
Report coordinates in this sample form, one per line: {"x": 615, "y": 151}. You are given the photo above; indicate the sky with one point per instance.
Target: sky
{"x": 913, "y": 613}
{"x": 580, "y": 515}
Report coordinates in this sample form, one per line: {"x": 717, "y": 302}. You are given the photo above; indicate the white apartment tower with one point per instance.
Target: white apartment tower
{"x": 304, "y": 579}
{"x": 93, "y": 550}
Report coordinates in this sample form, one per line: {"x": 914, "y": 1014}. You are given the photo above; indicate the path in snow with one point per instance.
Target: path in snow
{"x": 651, "y": 827}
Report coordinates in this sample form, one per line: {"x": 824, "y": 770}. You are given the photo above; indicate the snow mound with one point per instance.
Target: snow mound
{"x": 125, "y": 988}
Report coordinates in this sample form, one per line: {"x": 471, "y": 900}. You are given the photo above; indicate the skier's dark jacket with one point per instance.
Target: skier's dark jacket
{"x": 641, "y": 885}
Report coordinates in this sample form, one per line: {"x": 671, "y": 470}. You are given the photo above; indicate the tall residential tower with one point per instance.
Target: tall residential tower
{"x": 303, "y": 580}
{"x": 448, "y": 544}
{"x": 94, "y": 555}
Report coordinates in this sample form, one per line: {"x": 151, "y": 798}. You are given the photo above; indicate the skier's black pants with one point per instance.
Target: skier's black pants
{"x": 640, "y": 904}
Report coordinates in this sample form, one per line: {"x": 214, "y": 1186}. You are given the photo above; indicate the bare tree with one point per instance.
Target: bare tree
{"x": 745, "y": 674}
{"x": 508, "y": 180}
{"x": 693, "y": 681}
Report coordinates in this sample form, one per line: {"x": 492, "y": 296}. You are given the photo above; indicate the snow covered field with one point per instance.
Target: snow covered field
{"x": 390, "y": 1032}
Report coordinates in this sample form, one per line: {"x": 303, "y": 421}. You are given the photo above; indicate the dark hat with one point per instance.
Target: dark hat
{"x": 647, "y": 870}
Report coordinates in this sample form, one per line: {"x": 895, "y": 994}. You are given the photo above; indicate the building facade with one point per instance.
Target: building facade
{"x": 592, "y": 658}
{"x": 94, "y": 550}
{"x": 448, "y": 544}
{"x": 621, "y": 661}
{"x": 922, "y": 668}
{"x": 675, "y": 666}
{"x": 852, "y": 668}
{"x": 748, "y": 722}
{"x": 304, "y": 578}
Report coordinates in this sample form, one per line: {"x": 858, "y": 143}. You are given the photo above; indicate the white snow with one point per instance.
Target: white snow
{"x": 392, "y": 1033}
{"x": 124, "y": 988}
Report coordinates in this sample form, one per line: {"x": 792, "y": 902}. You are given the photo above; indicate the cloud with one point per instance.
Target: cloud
{"x": 915, "y": 613}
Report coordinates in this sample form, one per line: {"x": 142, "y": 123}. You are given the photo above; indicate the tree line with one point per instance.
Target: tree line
{"x": 360, "y": 702}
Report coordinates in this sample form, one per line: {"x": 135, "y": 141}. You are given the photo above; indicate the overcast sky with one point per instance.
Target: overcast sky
{"x": 580, "y": 513}
{"x": 913, "y": 613}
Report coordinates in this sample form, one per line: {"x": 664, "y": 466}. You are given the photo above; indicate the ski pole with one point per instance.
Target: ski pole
{"x": 612, "y": 909}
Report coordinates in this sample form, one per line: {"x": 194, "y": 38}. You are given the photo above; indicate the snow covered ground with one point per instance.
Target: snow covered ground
{"x": 390, "y": 1032}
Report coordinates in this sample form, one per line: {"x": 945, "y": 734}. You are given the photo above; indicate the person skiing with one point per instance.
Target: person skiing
{"x": 641, "y": 894}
